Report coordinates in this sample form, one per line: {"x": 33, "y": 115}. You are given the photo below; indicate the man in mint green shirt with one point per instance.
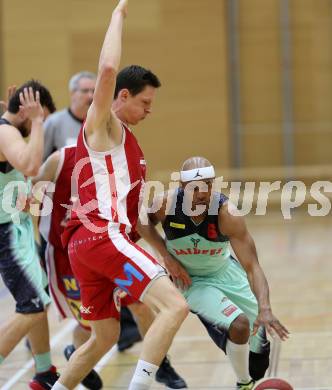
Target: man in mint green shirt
{"x": 20, "y": 267}
{"x": 230, "y": 296}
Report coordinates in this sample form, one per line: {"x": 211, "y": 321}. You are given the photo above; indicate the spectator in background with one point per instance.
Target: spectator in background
{"x": 62, "y": 127}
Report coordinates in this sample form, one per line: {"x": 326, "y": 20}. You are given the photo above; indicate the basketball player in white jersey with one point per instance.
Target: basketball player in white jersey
{"x": 110, "y": 171}
{"x": 63, "y": 286}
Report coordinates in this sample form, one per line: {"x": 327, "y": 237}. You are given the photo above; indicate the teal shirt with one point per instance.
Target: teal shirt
{"x": 201, "y": 248}
{"x": 198, "y": 255}
{"x": 11, "y": 184}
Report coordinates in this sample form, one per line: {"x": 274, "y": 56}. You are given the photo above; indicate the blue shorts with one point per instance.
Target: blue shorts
{"x": 20, "y": 267}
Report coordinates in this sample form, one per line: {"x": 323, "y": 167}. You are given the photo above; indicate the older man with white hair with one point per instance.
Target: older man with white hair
{"x": 62, "y": 127}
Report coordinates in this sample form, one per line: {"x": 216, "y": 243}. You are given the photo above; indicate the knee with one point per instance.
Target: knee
{"x": 239, "y": 330}
{"x": 179, "y": 308}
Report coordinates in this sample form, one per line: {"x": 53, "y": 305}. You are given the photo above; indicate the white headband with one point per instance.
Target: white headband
{"x": 197, "y": 174}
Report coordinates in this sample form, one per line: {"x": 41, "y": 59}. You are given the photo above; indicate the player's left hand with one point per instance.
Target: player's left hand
{"x": 272, "y": 324}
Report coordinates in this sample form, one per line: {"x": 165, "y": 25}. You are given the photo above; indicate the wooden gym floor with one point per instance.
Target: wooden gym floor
{"x": 296, "y": 256}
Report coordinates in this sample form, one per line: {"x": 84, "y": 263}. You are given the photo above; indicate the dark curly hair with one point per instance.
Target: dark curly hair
{"x": 46, "y": 99}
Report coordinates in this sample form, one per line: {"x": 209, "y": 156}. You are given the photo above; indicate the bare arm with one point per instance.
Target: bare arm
{"x": 151, "y": 235}
{"x": 148, "y": 231}
{"x": 48, "y": 170}
{"x": 26, "y": 157}
{"x": 41, "y": 182}
{"x": 109, "y": 62}
{"x": 49, "y": 133}
{"x": 244, "y": 247}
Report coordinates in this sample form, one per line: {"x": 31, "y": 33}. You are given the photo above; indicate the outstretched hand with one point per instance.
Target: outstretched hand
{"x": 30, "y": 104}
{"x": 271, "y": 323}
{"x": 122, "y": 7}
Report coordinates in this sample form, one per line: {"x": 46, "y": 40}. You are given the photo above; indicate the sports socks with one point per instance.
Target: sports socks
{"x": 59, "y": 386}
{"x": 1, "y": 359}
{"x": 42, "y": 362}
{"x": 143, "y": 376}
{"x": 239, "y": 357}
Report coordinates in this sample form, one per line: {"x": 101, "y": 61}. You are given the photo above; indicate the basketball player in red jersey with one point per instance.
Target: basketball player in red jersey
{"x": 64, "y": 288}
{"x": 109, "y": 174}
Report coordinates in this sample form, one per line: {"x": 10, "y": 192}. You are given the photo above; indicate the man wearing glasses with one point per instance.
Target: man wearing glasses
{"x": 62, "y": 127}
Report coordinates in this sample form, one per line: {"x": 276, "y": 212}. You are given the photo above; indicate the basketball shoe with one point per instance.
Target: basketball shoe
{"x": 245, "y": 386}
{"x": 92, "y": 381}
{"x": 44, "y": 380}
{"x": 169, "y": 377}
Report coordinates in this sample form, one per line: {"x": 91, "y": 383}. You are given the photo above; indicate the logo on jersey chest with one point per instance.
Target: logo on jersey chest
{"x": 177, "y": 225}
{"x": 195, "y": 241}
{"x": 212, "y": 231}
{"x": 197, "y": 251}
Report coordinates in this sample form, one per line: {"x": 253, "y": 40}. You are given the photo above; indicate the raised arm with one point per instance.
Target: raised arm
{"x": 109, "y": 62}
{"x": 26, "y": 157}
{"x": 244, "y": 247}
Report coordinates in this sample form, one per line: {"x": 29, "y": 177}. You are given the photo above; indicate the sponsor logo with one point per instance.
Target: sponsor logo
{"x": 196, "y": 251}
{"x": 118, "y": 294}
{"x": 177, "y": 225}
{"x": 148, "y": 372}
{"x": 72, "y": 287}
{"x": 36, "y": 302}
{"x": 130, "y": 272}
{"x": 86, "y": 310}
{"x": 75, "y": 306}
{"x": 86, "y": 240}
{"x": 195, "y": 241}
{"x": 229, "y": 310}
{"x": 198, "y": 174}
{"x": 212, "y": 231}
{"x": 225, "y": 299}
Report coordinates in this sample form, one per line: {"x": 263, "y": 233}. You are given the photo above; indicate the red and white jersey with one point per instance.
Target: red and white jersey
{"x": 110, "y": 183}
{"x": 51, "y": 226}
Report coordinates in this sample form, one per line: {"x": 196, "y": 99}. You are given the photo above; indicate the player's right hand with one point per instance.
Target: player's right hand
{"x": 178, "y": 273}
{"x": 10, "y": 93}
{"x": 30, "y": 105}
{"x": 122, "y": 7}
{"x": 272, "y": 325}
